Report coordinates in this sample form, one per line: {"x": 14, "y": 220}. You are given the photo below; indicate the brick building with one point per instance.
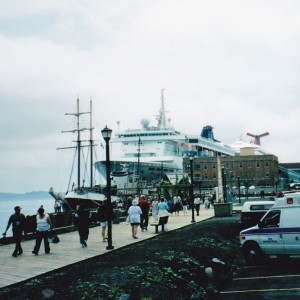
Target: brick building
{"x": 250, "y": 169}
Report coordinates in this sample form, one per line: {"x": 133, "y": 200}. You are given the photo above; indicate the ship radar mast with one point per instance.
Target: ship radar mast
{"x": 161, "y": 118}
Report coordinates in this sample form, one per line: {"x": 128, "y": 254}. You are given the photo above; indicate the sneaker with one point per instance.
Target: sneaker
{"x": 135, "y": 237}
{"x": 35, "y": 253}
{"x": 104, "y": 240}
{"x": 20, "y": 252}
{"x": 14, "y": 254}
{"x": 82, "y": 246}
{"x": 85, "y": 244}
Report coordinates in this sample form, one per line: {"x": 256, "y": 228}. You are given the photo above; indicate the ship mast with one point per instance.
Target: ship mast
{"x": 138, "y": 165}
{"x": 91, "y": 144}
{"x": 78, "y": 141}
{"x": 162, "y": 120}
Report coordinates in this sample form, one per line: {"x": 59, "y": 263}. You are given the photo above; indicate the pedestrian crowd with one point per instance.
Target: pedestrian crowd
{"x": 138, "y": 210}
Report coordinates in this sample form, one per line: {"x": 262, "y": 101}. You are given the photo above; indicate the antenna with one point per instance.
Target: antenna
{"x": 162, "y": 121}
{"x": 257, "y": 137}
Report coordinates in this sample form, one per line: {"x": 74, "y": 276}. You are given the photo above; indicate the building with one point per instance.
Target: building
{"x": 247, "y": 169}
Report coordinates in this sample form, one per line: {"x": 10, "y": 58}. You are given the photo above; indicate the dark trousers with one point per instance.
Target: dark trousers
{"x": 144, "y": 221}
{"x": 17, "y": 238}
{"x": 83, "y": 234}
{"x": 42, "y": 235}
{"x": 197, "y": 207}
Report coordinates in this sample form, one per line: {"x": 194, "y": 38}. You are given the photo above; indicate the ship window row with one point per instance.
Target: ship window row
{"x": 246, "y": 175}
{"x": 147, "y": 134}
{"x": 231, "y": 165}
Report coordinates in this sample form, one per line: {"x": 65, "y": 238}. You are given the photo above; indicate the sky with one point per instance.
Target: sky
{"x": 231, "y": 64}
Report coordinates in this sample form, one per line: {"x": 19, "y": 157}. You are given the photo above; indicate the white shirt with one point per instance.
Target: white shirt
{"x": 42, "y": 223}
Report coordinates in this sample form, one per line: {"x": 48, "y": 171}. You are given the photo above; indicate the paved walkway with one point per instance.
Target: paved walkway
{"x": 69, "y": 251}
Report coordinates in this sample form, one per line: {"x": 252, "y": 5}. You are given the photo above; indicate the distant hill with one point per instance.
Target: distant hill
{"x": 30, "y": 195}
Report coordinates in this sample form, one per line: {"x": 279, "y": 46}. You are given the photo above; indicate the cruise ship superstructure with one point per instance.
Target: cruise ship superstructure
{"x": 144, "y": 155}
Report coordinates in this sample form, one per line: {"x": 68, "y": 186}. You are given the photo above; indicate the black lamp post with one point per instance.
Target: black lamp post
{"x": 106, "y": 133}
{"x": 239, "y": 185}
{"x": 223, "y": 182}
{"x": 192, "y": 189}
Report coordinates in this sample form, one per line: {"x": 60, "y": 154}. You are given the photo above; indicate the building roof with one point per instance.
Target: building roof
{"x": 175, "y": 178}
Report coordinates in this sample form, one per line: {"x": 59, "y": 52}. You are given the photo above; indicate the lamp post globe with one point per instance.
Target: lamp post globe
{"x": 106, "y": 134}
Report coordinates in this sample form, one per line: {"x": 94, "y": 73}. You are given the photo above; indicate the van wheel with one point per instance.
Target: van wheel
{"x": 253, "y": 253}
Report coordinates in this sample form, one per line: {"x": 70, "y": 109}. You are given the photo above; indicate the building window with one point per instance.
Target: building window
{"x": 197, "y": 167}
{"x": 257, "y": 164}
{"x": 241, "y": 165}
{"x": 267, "y": 174}
{"x": 267, "y": 163}
{"x": 205, "y": 176}
{"x": 214, "y": 165}
{"x": 214, "y": 176}
{"x": 249, "y": 164}
{"x": 205, "y": 166}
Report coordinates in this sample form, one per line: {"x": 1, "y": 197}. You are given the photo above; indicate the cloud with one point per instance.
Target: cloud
{"x": 230, "y": 64}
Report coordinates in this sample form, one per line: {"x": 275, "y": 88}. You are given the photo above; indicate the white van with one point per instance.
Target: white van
{"x": 278, "y": 231}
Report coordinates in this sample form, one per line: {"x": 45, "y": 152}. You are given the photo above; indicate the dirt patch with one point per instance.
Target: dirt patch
{"x": 195, "y": 261}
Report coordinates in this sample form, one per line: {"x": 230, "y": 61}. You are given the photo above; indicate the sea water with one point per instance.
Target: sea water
{"x": 29, "y": 207}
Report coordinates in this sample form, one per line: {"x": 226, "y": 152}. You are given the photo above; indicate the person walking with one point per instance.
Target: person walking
{"x": 104, "y": 214}
{"x": 197, "y": 202}
{"x": 177, "y": 204}
{"x": 82, "y": 220}
{"x": 163, "y": 210}
{"x": 43, "y": 224}
{"x": 206, "y": 201}
{"x": 154, "y": 205}
{"x": 17, "y": 220}
{"x": 134, "y": 214}
{"x": 145, "y": 207}
{"x": 185, "y": 206}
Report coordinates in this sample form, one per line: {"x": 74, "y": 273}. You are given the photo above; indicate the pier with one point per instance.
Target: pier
{"x": 68, "y": 251}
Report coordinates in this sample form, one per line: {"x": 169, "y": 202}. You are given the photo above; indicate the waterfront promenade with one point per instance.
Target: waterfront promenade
{"x": 68, "y": 251}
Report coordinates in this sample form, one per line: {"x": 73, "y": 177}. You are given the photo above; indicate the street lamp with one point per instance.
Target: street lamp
{"x": 239, "y": 185}
{"x": 223, "y": 182}
{"x": 106, "y": 134}
{"x": 192, "y": 188}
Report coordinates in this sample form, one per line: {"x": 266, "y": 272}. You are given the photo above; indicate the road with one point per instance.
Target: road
{"x": 275, "y": 279}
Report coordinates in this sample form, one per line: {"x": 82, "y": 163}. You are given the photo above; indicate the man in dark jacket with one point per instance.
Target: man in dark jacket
{"x": 82, "y": 219}
{"x": 18, "y": 227}
{"x": 105, "y": 213}
{"x": 145, "y": 207}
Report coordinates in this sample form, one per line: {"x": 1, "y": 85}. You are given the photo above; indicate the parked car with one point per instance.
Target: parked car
{"x": 253, "y": 211}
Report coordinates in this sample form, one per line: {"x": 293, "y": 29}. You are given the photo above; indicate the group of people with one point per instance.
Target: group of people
{"x": 18, "y": 222}
{"x": 138, "y": 210}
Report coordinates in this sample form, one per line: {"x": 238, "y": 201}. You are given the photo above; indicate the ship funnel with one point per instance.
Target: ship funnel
{"x": 207, "y": 132}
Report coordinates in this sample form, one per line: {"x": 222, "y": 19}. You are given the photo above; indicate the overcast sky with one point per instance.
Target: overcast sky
{"x": 233, "y": 65}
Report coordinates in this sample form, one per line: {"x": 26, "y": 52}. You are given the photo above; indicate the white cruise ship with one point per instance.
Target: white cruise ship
{"x": 142, "y": 156}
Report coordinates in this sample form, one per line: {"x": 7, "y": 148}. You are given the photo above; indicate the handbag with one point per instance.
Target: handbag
{"x": 55, "y": 239}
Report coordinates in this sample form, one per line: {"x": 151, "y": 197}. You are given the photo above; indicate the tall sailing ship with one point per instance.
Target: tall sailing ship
{"x": 79, "y": 193}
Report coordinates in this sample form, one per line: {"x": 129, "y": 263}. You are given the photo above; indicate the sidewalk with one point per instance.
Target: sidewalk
{"x": 69, "y": 251}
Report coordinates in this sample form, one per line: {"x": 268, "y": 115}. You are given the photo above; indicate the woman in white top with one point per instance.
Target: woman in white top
{"x": 134, "y": 214}
{"x": 154, "y": 211}
{"x": 43, "y": 223}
